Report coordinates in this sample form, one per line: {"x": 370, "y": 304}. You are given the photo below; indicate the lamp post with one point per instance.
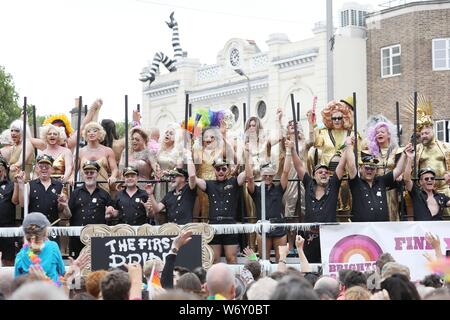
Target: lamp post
{"x": 241, "y": 73}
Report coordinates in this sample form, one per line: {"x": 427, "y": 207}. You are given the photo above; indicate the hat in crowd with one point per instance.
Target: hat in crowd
{"x": 180, "y": 172}
{"x": 45, "y": 158}
{"x": 392, "y": 268}
{"x": 426, "y": 170}
{"x": 220, "y": 162}
{"x": 320, "y": 165}
{"x": 368, "y": 160}
{"x": 91, "y": 165}
{"x": 4, "y": 162}
{"x": 36, "y": 218}
{"x": 348, "y": 101}
{"x": 130, "y": 170}
{"x": 268, "y": 169}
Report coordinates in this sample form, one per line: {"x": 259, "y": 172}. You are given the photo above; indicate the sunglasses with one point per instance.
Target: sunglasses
{"x": 369, "y": 168}
{"x": 429, "y": 178}
{"x": 89, "y": 173}
{"x": 336, "y": 118}
{"x": 223, "y": 169}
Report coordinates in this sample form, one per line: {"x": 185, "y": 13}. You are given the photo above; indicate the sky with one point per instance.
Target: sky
{"x": 57, "y": 50}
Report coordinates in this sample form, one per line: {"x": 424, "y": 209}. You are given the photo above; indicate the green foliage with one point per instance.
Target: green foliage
{"x": 9, "y": 109}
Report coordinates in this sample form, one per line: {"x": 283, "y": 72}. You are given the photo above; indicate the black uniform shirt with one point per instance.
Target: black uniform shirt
{"x": 274, "y": 202}
{"x": 7, "y": 208}
{"x": 88, "y": 208}
{"x": 420, "y": 206}
{"x": 370, "y": 203}
{"x": 45, "y": 201}
{"x": 179, "y": 205}
{"x": 223, "y": 200}
{"x": 323, "y": 209}
{"x": 132, "y": 210}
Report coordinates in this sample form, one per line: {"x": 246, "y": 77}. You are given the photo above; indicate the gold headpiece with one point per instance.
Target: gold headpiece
{"x": 424, "y": 111}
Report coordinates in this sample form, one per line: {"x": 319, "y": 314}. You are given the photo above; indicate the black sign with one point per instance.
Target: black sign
{"x": 115, "y": 252}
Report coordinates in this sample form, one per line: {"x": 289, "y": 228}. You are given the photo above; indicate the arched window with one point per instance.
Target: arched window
{"x": 235, "y": 111}
{"x": 261, "y": 109}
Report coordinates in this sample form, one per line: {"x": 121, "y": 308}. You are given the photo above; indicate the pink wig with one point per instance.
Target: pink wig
{"x": 374, "y": 148}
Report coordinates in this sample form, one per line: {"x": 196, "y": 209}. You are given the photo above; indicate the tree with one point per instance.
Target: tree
{"x": 9, "y": 109}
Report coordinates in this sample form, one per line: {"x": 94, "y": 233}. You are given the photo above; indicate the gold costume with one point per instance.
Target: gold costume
{"x": 205, "y": 171}
{"x": 167, "y": 160}
{"x": 387, "y": 164}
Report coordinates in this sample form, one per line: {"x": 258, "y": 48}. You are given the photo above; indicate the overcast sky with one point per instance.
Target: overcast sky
{"x": 57, "y": 50}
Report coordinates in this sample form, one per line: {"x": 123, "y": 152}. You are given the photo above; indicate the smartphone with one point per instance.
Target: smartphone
{"x": 447, "y": 253}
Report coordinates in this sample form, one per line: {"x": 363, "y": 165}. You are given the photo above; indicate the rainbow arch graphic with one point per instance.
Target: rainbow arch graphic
{"x": 355, "y": 244}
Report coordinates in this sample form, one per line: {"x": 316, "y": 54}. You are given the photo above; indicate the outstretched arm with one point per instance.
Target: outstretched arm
{"x": 91, "y": 115}
{"x": 298, "y": 165}
{"x": 249, "y": 171}
{"x": 398, "y": 170}
{"x": 284, "y": 179}
{"x": 351, "y": 163}
{"x": 408, "y": 168}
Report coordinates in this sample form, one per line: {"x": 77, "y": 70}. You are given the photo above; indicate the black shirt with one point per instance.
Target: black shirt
{"x": 420, "y": 206}
{"x": 7, "y": 208}
{"x": 88, "y": 208}
{"x": 45, "y": 201}
{"x": 274, "y": 205}
{"x": 323, "y": 209}
{"x": 179, "y": 205}
{"x": 132, "y": 210}
{"x": 370, "y": 203}
{"x": 223, "y": 200}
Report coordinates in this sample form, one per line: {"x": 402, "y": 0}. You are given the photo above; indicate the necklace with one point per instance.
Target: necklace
{"x": 36, "y": 261}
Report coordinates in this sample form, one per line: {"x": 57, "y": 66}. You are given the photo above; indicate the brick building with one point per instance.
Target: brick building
{"x": 408, "y": 49}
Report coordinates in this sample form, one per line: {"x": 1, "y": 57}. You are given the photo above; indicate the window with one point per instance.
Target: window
{"x": 235, "y": 111}
{"x": 441, "y": 54}
{"x": 344, "y": 18}
{"x": 261, "y": 109}
{"x": 362, "y": 18}
{"x": 390, "y": 61}
{"x": 442, "y": 130}
{"x": 353, "y": 15}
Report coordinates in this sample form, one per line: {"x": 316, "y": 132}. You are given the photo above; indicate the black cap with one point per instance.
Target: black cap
{"x": 320, "y": 165}
{"x": 369, "y": 160}
{"x": 219, "y": 163}
{"x": 45, "y": 158}
{"x": 180, "y": 172}
{"x": 426, "y": 170}
{"x": 131, "y": 170}
{"x": 91, "y": 165}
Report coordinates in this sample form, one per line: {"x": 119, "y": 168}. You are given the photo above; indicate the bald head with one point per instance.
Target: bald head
{"x": 329, "y": 284}
{"x": 220, "y": 280}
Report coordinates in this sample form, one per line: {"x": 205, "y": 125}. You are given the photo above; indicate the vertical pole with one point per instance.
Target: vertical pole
{"x": 186, "y": 119}
{"x": 34, "y": 128}
{"x": 397, "y": 112}
{"x": 355, "y": 126}
{"x": 249, "y": 93}
{"x": 298, "y": 111}
{"x": 415, "y": 135}
{"x": 190, "y": 111}
{"x": 85, "y": 110}
{"x": 138, "y": 107}
{"x": 330, "y": 67}
{"x": 295, "y": 121}
{"x": 244, "y": 113}
{"x": 77, "y": 147}
{"x": 263, "y": 218}
{"x": 24, "y": 152}
{"x": 126, "y": 131}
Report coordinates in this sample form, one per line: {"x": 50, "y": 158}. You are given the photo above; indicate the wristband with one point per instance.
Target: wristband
{"x": 252, "y": 257}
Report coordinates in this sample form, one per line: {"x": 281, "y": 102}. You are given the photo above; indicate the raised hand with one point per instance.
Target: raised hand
{"x": 279, "y": 114}
{"x": 62, "y": 200}
{"x": 183, "y": 238}
{"x": 289, "y": 144}
{"x": 299, "y": 242}
{"x": 283, "y": 251}
{"x": 149, "y": 188}
{"x": 20, "y": 177}
{"x": 250, "y": 254}
{"x": 433, "y": 240}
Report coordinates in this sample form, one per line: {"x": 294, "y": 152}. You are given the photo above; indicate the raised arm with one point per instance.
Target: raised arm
{"x": 340, "y": 169}
{"x": 408, "y": 168}
{"x": 152, "y": 206}
{"x": 398, "y": 170}
{"x": 278, "y": 133}
{"x": 191, "y": 169}
{"x": 68, "y": 164}
{"x": 304, "y": 264}
{"x": 112, "y": 165}
{"x": 298, "y": 165}
{"x": 91, "y": 115}
{"x": 350, "y": 162}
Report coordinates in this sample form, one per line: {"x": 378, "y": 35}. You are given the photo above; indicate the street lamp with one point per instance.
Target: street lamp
{"x": 241, "y": 73}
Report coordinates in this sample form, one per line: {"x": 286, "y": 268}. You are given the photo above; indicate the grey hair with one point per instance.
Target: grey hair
{"x": 39, "y": 290}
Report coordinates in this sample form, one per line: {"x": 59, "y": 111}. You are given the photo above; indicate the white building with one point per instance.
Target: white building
{"x": 287, "y": 67}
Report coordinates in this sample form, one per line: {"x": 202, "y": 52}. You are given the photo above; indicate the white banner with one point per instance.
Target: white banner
{"x": 357, "y": 246}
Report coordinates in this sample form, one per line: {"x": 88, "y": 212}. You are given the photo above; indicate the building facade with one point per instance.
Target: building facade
{"x": 408, "y": 49}
{"x": 267, "y": 78}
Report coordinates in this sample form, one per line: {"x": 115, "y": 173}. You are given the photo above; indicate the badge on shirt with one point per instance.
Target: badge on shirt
{"x": 378, "y": 193}
{"x": 179, "y": 198}
{"x": 137, "y": 200}
{"x": 94, "y": 200}
{"x": 230, "y": 186}
{"x": 3, "y": 187}
{"x": 53, "y": 190}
